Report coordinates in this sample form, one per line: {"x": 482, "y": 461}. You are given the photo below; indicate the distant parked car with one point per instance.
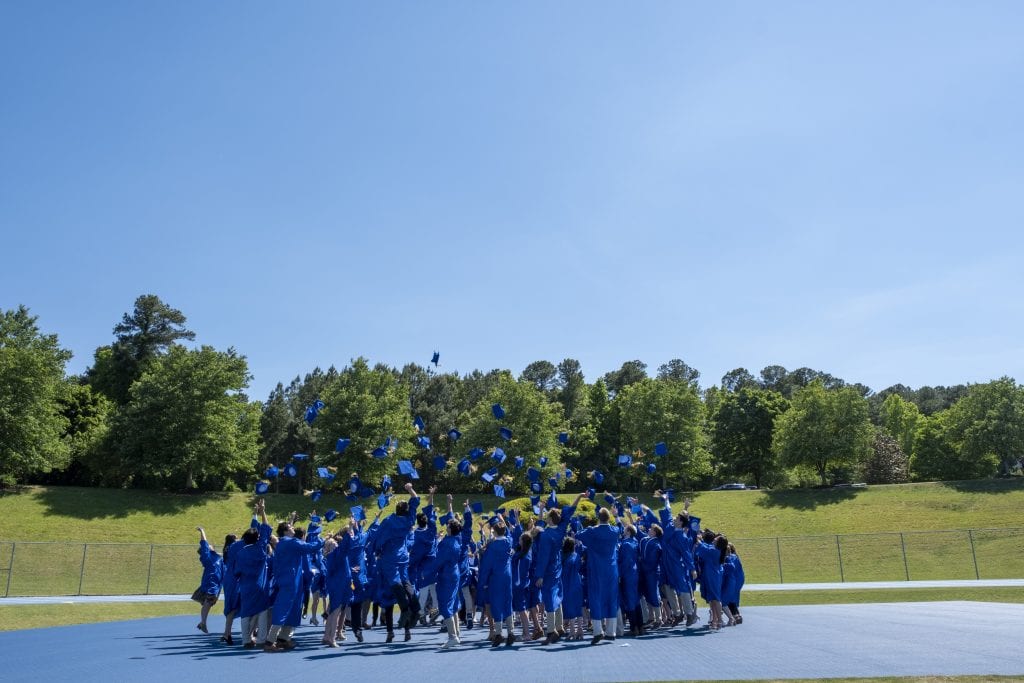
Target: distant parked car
{"x": 735, "y": 486}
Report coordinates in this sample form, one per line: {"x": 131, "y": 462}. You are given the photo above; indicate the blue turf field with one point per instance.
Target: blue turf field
{"x": 814, "y": 641}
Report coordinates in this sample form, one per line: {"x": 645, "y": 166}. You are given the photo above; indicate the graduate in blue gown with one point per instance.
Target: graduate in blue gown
{"x": 467, "y": 570}
{"x": 677, "y": 561}
{"x": 650, "y": 568}
{"x": 338, "y": 584}
{"x": 422, "y": 554}
{"x": 732, "y": 583}
{"x": 629, "y": 579}
{"x": 496, "y": 580}
{"x": 521, "y": 560}
{"x": 231, "y": 598}
{"x": 443, "y": 572}
{"x": 252, "y": 571}
{"x": 709, "y": 560}
{"x": 393, "y": 559}
{"x": 289, "y": 556}
{"x": 213, "y": 578}
{"x": 572, "y": 588}
{"x": 602, "y": 543}
{"x": 547, "y": 573}
{"x": 361, "y": 590}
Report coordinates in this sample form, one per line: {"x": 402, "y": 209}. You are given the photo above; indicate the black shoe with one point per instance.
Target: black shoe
{"x": 595, "y": 640}
{"x": 359, "y": 636}
{"x": 408, "y": 635}
{"x": 509, "y": 640}
{"x": 249, "y": 646}
{"x": 391, "y": 637}
{"x": 498, "y": 640}
{"x": 550, "y": 639}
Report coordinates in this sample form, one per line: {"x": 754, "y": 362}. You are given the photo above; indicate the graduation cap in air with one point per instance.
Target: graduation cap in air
{"x": 499, "y": 491}
{"x": 671, "y": 495}
{"x": 609, "y": 498}
{"x": 493, "y": 521}
{"x": 353, "y": 484}
{"x": 598, "y": 477}
{"x": 498, "y": 455}
{"x": 262, "y": 487}
{"x": 636, "y": 509}
{"x": 291, "y": 470}
{"x": 520, "y": 461}
{"x": 477, "y": 507}
{"x": 435, "y": 358}
{"x": 454, "y": 434}
{"x": 620, "y": 510}
{"x": 341, "y": 444}
{"x": 319, "y": 405}
{"x": 553, "y": 499}
{"x": 568, "y": 474}
{"x": 315, "y": 519}
{"x": 533, "y": 474}
{"x": 505, "y": 433}
{"x": 405, "y": 467}
{"x": 315, "y": 496}
{"x": 385, "y": 482}
{"x": 331, "y": 515}
{"x": 366, "y": 492}
{"x": 300, "y": 456}
{"x": 464, "y": 467}
{"x": 660, "y": 448}
{"x": 351, "y": 497}
{"x": 543, "y": 461}
{"x": 489, "y": 475}
{"x": 382, "y": 501}
{"x": 563, "y": 437}
{"x": 423, "y": 441}
{"x": 325, "y": 474}
{"x": 552, "y": 482}
{"x": 357, "y": 513}
{"x": 535, "y": 504}
{"x": 591, "y": 493}
{"x": 380, "y": 453}
{"x": 418, "y": 423}
{"x": 310, "y": 415}
{"x": 440, "y": 462}
{"x": 537, "y": 487}
{"x": 625, "y": 460}
{"x": 695, "y": 524}
{"x": 651, "y": 468}
{"x": 499, "y": 412}
{"x": 272, "y": 472}
{"x": 476, "y": 453}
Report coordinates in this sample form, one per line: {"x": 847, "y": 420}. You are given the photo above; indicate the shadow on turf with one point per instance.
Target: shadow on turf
{"x": 1005, "y": 485}
{"x": 83, "y": 503}
{"x": 806, "y": 499}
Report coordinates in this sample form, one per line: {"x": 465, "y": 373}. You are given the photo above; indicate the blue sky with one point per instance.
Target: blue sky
{"x": 833, "y": 185}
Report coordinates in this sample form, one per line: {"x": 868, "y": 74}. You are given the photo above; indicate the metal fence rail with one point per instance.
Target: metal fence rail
{"x": 38, "y": 568}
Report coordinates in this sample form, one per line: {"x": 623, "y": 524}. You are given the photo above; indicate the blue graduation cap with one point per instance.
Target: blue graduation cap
{"x": 366, "y": 492}
{"x": 357, "y": 513}
{"x": 385, "y": 483}
{"x": 271, "y": 472}
{"x": 380, "y": 453}
{"x": 625, "y": 460}
{"x": 563, "y": 437}
{"x": 499, "y": 412}
{"x": 309, "y": 416}
{"x": 325, "y": 473}
{"x": 609, "y": 498}
{"x": 695, "y": 524}
{"x": 534, "y": 500}
{"x": 537, "y": 487}
{"x": 660, "y": 448}
{"x": 620, "y": 510}
{"x": 315, "y": 519}
{"x": 520, "y": 461}
{"x": 476, "y": 453}
{"x": 499, "y": 491}
{"x": 351, "y": 497}
{"x": 464, "y": 467}
{"x": 651, "y": 468}
{"x": 262, "y": 487}
{"x": 636, "y": 509}
{"x": 423, "y": 441}
{"x": 477, "y": 507}
{"x": 341, "y": 444}
{"x": 490, "y": 474}
{"x": 552, "y": 482}
{"x": 353, "y": 484}
{"x": 435, "y": 358}
{"x": 319, "y": 405}
{"x": 405, "y": 467}
{"x": 591, "y": 493}
{"x": 300, "y": 456}
{"x": 387, "y": 443}
{"x": 543, "y": 461}
{"x": 418, "y": 423}
{"x": 505, "y": 433}
{"x": 671, "y": 495}
{"x": 440, "y": 462}
{"x": 598, "y": 477}
{"x": 533, "y": 474}
{"x": 331, "y": 515}
{"x": 498, "y": 455}
{"x": 315, "y": 496}
{"x": 445, "y": 518}
{"x": 493, "y": 520}
{"x": 291, "y": 470}
{"x": 382, "y": 501}
{"x": 454, "y": 434}
{"x": 568, "y": 473}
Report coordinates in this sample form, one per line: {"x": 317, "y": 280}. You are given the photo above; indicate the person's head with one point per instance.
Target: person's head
{"x": 250, "y": 536}
{"x": 454, "y": 527}
{"x": 525, "y": 541}
{"x": 528, "y": 525}
{"x": 681, "y": 521}
{"x": 732, "y": 550}
{"x": 568, "y": 545}
{"x": 722, "y": 543}
{"x": 535, "y": 532}
{"x": 228, "y": 540}
{"x": 554, "y": 516}
{"x": 421, "y": 520}
{"x": 499, "y": 529}
{"x": 630, "y": 531}
{"x": 329, "y": 545}
{"x": 402, "y": 508}
{"x": 656, "y": 530}
{"x": 300, "y": 533}
{"x": 708, "y": 536}
{"x": 273, "y": 541}
{"x": 603, "y": 516}
{"x": 285, "y": 529}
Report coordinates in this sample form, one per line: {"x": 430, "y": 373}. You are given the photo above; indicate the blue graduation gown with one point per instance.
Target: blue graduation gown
{"x": 392, "y": 537}
{"x": 521, "y": 580}
{"x": 677, "y": 555}
{"x": 732, "y": 580}
{"x": 424, "y": 549}
{"x": 650, "y": 565}
{"x": 288, "y": 567}
{"x": 496, "y": 576}
{"x": 231, "y": 598}
{"x": 253, "y": 579}
{"x": 710, "y": 571}
{"x": 549, "y": 561}
{"x": 338, "y": 575}
{"x": 444, "y": 572}
{"x": 572, "y": 586}
{"x": 602, "y": 542}
{"x": 629, "y": 574}
{"x": 213, "y": 570}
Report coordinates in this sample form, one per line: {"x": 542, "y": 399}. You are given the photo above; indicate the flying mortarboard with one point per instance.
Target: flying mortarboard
{"x": 341, "y": 444}
{"x": 315, "y": 496}
{"x": 464, "y": 466}
{"x": 382, "y": 501}
{"x": 440, "y": 462}
{"x": 498, "y": 455}
{"x": 271, "y": 472}
{"x": 598, "y": 477}
{"x": 671, "y": 495}
{"x": 651, "y": 468}
{"x": 543, "y": 461}
{"x": 499, "y": 491}
{"x": 533, "y": 474}
{"x": 636, "y": 509}
{"x": 520, "y": 461}
{"x": 591, "y": 493}
{"x": 385, "y": 483}
{"x": 418, "y": 423}
{"x": 660, "y": 448}
{"x": 353, "y": 484}
{"x": 620, "y": 510}
{"x": 537, "y": 487}
{"x": 366, "y": 492}
{"x": 568, "y": 473}
{"x": 423, "y": 441}
{"x": 405, "y": 467}
{"x": 476, "y": 453}
{"x": 262, "y": 487}
{"x": 499, "y": 412}
{"x": 563, "y": 437}
{"x": 357, "y": 513}
{"x": 552, "y": 482}
{"x": 553, "y": 499}
{"x": 435, "y": 358}
{"x": 315, "y": 519}
{"x": 695, "y": 524}
{"x": 300, "y": 456}
{"x": 609, "y": 498}
{"x": 490, "y": 474}
{"x": 331, "y": 515}
{"x": 477, "y": 507}
{"x": 380, "y": 452}
{"x": 505, "y": 433}
{"x": 454, "y": 434}
{"x": 625, "y": 460}
{"x": 290, "y": 470}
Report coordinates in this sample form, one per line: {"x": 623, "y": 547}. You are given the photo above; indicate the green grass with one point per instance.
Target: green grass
{"x": 806, "y": 523}
{"x": 17, "y": 617}
{"x": 881, "y": 679}
{"x": 847, "y": 597}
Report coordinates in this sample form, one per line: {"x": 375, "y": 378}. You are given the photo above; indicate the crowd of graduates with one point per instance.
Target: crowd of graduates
{"x": 557, "y": 574}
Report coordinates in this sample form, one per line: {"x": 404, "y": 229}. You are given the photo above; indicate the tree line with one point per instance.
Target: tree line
{"x": 151, "y": 412}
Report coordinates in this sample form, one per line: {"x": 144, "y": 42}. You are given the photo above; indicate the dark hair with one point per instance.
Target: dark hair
{"x": 568, "y": 545}
{"x": 555, "y": 515}
{"x": 300, "y": 533}
{"x": 630, "y": 531}
{"x": 525, "y": 543}
{"x": 402, "y": 508}
{"x": 656, "y": 530}
{"x": 228, "y": 540}
{"x": 722, "y": 543}
{"x": 282, "y": 528}
{"x": 603, "y": 515}
{"x": 500, "y": 529}
{"x": 454, "y": 527}
{"x": 250, "y": 536}
{"x": 708, "y": 536}
{"x": 421, "y": 519}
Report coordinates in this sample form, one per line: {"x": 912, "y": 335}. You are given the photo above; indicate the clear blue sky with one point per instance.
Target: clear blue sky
{"x": 833, "y": 185}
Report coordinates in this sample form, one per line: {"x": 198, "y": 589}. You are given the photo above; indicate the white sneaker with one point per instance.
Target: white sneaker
{"x": 450, "y": 643}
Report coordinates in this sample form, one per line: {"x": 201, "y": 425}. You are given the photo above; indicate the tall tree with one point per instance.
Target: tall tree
{"x": 989, "y": 421}
{"x": 571, "y": 386}
{"x": 900, "y": 419}
{"x": 677, "y": 370}
{"x": 542, "y": 374}
{"x": 31, "y": 388}
{"x": 631, "y": 372}
{"x": 742, "y": 435}
{"x": 938, "y": 458}
{"x": 737, "y": 379}
{"x": 824, "y": 430}
{"x": 888, "y": 464}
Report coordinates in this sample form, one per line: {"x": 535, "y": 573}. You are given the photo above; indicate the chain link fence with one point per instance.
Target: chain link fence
{"x": 57, "y": 568}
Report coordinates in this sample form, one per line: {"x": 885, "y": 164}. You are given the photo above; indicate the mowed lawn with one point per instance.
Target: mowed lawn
{"x": 140, "y": 541}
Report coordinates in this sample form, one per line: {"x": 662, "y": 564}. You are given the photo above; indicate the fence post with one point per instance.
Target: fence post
{"x": 974, "y": 555}
{"x": 10, "y": 570}
{"x": 149, "y": 572}
{"x": 906, "y": 567}
{"x": 778, "y": 555}
{"x": 839, "y": 553}
{"x": 81, "y": 572}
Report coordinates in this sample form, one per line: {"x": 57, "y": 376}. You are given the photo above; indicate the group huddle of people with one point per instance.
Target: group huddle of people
{"x": 558, "y": 574}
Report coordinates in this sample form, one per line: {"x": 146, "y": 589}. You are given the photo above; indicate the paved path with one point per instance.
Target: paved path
{"x": 813, "y": 641}
{"x": 858, "y": 585}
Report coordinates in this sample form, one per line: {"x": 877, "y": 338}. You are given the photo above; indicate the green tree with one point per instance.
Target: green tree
{"x": 542, "y": 374}
{"x": 744, "y": 422}
{"x": 900, "y": 420}
{"x": 572, "y": 386}
{"x": 31, "y": 388}
{"x": 678, "y": 371}
{"x": 187, "y": 422}
{"x": 631, "y": 372}
{"x": 824, "y": 429}
{"x": 737, "y": 379}
{"x": 937, "y": 458}
{"x": 989, "y": 420}
{"x": 89, "y": 414}
{"x": 657, "y": 410}
{"x": 888, "y": 464}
